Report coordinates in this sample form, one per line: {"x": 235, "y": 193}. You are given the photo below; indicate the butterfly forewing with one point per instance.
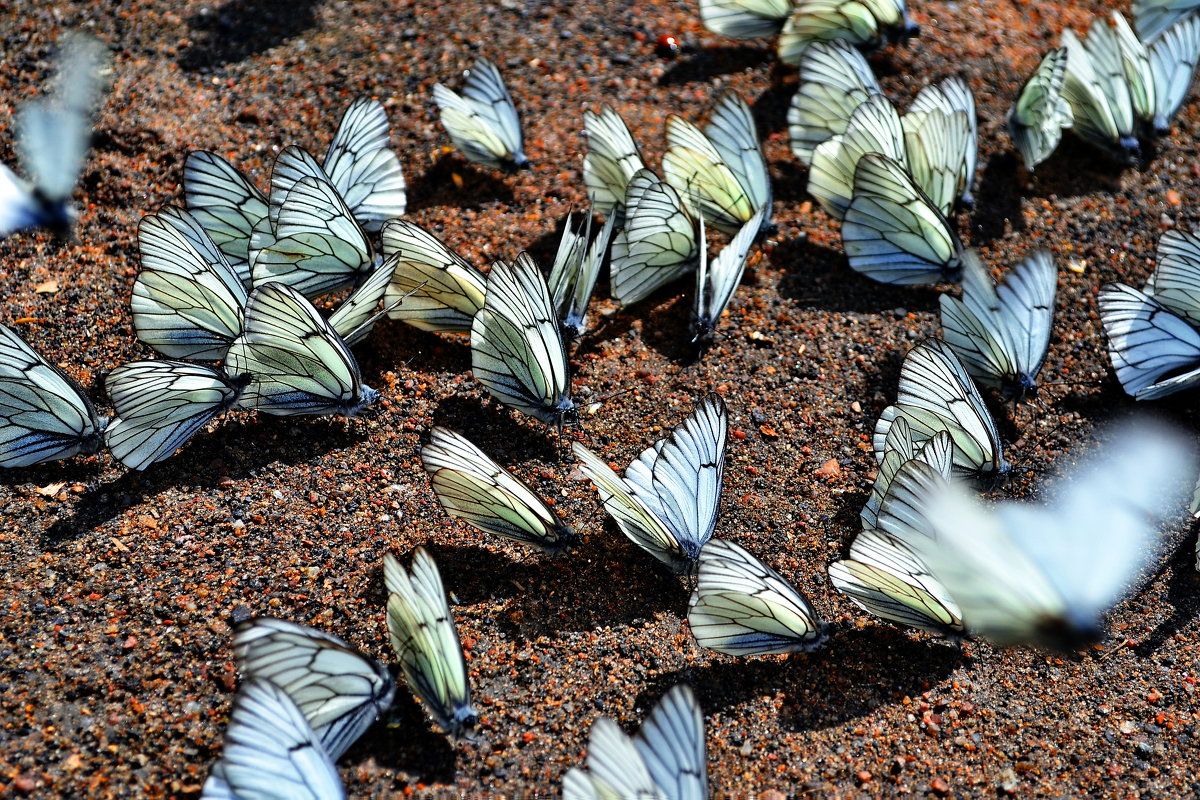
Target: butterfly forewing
{"x": 363, "y": 168}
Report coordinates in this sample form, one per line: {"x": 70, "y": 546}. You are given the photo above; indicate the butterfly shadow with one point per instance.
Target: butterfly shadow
{"x": 770, "y": 112}
{"x": 454, "y": 181}
{"x": 1076, "y": 168}
{"x": 997, "y": 201}
{"x": 404, "y": 740}
{"x": 497, "y": 431}
{"x": 1181, "y": 594}
{"x": 790, "y": 181}
{"x": 707, "y": 63}
{"x": 239, "y": 29}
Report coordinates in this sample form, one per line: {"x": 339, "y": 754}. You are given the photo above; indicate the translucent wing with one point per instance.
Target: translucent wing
{"x": 899, "y": 449}
{"x": 363, "y": 168}
{"x": 226, "y": 204}
{"x": 19, "y": 208}
{"x": 517, "y": 349}
{"x": 574, "y": 272}
{"x": 44, "y": 414}
{"x": 671, "y": 743}
{"x": 732, "y": 132}
{"x": 695, "y": 169}
{"x": 892, "y": 233}
{"x": 271, "y": 751}
{"x": 1154, "y": 352}
{"x": 441, "y": 291}
{"x": 357, "y": 314}
{"x": 745, "y": 19}
{"x": 160, "y": 405}
{"x": 1176, "y": 279}
{"x": 1102, "y": 120}
{"x": 1036, "y": 120}
{"x": 615, "y": 766}
{"x": 835, "y": 79}
{"x": 716, "y": 284}
{"x": 611, "y": 161}
{"x": 187, "y": 300}
{"x": 292, "y": 165}
{"x": 1152, "y": 17}
{"x": 874, "y": 128}
{"x": 340, "y": 691}
{"x": 1173, "y": 58}
{"x": 426, "y": 642}
{"x": 295, "y": 361}
{"x": 658, "y": 243}
{"x": 742, "y": 607}
{"x": 476, "y": 489}
{"x": 483, "y": 122}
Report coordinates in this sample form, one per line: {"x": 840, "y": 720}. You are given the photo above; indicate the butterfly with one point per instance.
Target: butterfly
{"x": 716, "y": 284}
{"x": 936, "y": 394}
{"x": 574, "y": 272}
{"x": 835, "y": 79}
{"x": 1173, "y": 56}
{"x": 160, "y": 405}
{"x": 44, "y": 414}
{"x": 611, "y": 161}
{"x": 441, "y": 291}
{"x": 941, "y": 142}
{"x": 340, "y": 691}
{"x": 893, "y": 232}
{"x": 1036, "y": 120}
{"x": 482, "y": 121}
{"x": 271, "y": 751}
{"x": 475, "y": 488}
{"x": 874, "y": 128}
{"x": 1025, "y": 574}
{"x": 1097, "y": 90}
{"x": 742, "y": 607}
{"x": 363, "y": 168}
{"x": 865, "y": 23}
{"x": 667, "y": 502}
{"x": 658, "y": 243}
{"x": 295, "y": 361}
{"x": 1000, "y": 334}
{"x": 426, "y": 642}
{"x": 745, "y": 19}
{"x": 1153, "y": 17}
{"x": 226, "y": 204}
{"x": 721, "y": 169}
{"x": 52, "y": 136}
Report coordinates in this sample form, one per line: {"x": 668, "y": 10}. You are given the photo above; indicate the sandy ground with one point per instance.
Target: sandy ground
{"x": 115, "y": 667}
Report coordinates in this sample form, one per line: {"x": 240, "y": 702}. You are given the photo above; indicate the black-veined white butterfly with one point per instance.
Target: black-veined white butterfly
{"x": 1036, "y": 120}
{"x": 892, "y": 232}
{"x": 1001, "y": 333}
{"x": 440, "y": 290}
{"x": 742, "y": 607}
{"x": 865, "y": 23}
{"x": 898, "y": 449}
{"x": 936, "y": 394}
{"x": 160, "y": 405}
{"x": 1152, "y": 17}
{"x": 835, "y": 79}
{"x": 1025, "y": 574}
{"x": 721, "y": 169}
{"x": 1096, "y": 88}
{"x": 271, "y": 751}
{"x": 295, "y": 361}
{"x": 517, "y": 350}
{"x": 941, "y": 141}
{"x": 575, "y": 270}
{"x": 362, "y": 166}
{"x": 745, "y": 19}
{"x": 1173, "y": 57}
{"x": 615, "y": 768}
{"x": 340, "y": 691}
{"x": 44, "y": 414}
{"x": 667, "y": 503}
{"x": 482, "y": 121}
{"x": 874, "y": 128}
{"x": 1154, "y": 351}
{"x": 658, "y": 243}
{"x": 716, "y": 283}
{"x": 52, "y": 135}
{"x": 476, "y": 489}
{"x": 611, "y": 161}
{"x": 226, "y": 204}
{"x": 426, "y": 642}
{"x": 356, "y": 316}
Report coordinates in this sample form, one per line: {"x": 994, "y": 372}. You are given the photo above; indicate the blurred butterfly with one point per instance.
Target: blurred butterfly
{"x": 1000, "y": 334}
{"x": 874, "y": 128}
{"x": 574, "y": 272}
{"x": 271, "y": 751}
{"x": 1037, "y": 118}
{"x": 476, "y": 489}
{"x": 893, "y": 232}
{"x": 482, "y": 121}
{"x": 865, "y": 23}
{"x": 721, "y": 169}
{"x": 426, "y": 642}
{"x": 1025, "y": 574}
{"x": 611, "y": 161}
{"x": 615, "y": 768}
{"x": 936, "y": 394}
{"x": 340, "y": 691}
{"x": 160, "y": 405}
{"x": 716, "y": 284}
{"x": 44, "y": 414}
{"x": 295, "y": 362}
{"x": 941, "y": 142}
{"x": 441, "y": 291}
{"x": 1097, "y": 90}
{"x": 667, "y": 502}
{"x": 745, "y": 19}
{"x": 1152, "y": 17}
{"x": 742, "y": 607}
{"x": 835, "y": 79}
{"x": 52, "y": 135}
{"x": 658, "y": 243}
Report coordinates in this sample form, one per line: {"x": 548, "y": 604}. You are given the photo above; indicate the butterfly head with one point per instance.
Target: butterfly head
{"x": 1130, "y": 149}
{"x": 462, "y": 725}
{"x": 566, "y": 538}
{"x": 517, "y": 163}
{"x": 366, "y": 397}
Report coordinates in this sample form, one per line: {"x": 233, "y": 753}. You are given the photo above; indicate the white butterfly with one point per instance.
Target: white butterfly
{"x": 358, "y": 313}
{"x": 874, "y": 128}
{"x": 363, "y": 168}
{"x": 483, "y": 122}
{"x": 1152, "y": 17}
{"x": 616, "y": 770}
{"x": 426, "y": 642}
{"x": 1024, "y": 574}
{"x": 658, "y": 243}
{"x": 721, "y": 169}
{"x": 52, "y": 136}
{"x": 44, "y": 414}
{"x": 742, "y": 607}
{"x": 866, "y": 23}
{"x": 1154, "y": 351}
{"x": 898, "y": 449}
{"x": 271, "y": 752}
{"x": 1000, "y": 334}
{"x": 1096, "y": 88}
{"x": 517, "y": 349}
{"x": 611, "y": 161}
{"x": 716, "y": 284}
{"x": 667, "y": 502}
{"x": 835, "y": 79}
{"x": 476, "y": 489}
{"x": 340, "y": 691}
{"x": 941, "y": 141}
{"x": 160, "y": 405}
{"x": 294, "y": 360}
{"x": 440, "y": 290}
{"x": 226, "y": 204}
{"x": 745, "y": 19}
{"x": 1173, "y": 57}
{"x": 574, "y": 272}
{"x": 936, "y": 394}
{"x": 1036, "y": 120}
{"x": 892, "y": 232}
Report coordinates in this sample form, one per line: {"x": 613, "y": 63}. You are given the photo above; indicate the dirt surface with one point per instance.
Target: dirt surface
{"x": 118, "y": 588}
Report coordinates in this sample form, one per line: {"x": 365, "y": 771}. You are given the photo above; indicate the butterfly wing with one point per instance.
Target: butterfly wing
{"x": 671, "y": 743}
{"x": 695, "y": 169}
{"x": 658, "y": 243}
{"x": 226, "y": 204}
{"x": 874, "y": 127}
{"x": 357, "y": 314}
{"x": 615, "y": 766}
{"x": 1147, "y": 342}
{"x": 732, "y": 132}
{"x": 440, "y": 290}
{"x": 483, "y": 122}
{"x": 363, "y": 168}
{"x": 716, "y": 284}
{"x": 611, "y": 161}
{"x": 1173, "y": 58}
{"x": 835, "y": 79}
{"x": 745, "y": 19}
{"x": 1040, "y": 113}
{"x": 1176, "y": 279}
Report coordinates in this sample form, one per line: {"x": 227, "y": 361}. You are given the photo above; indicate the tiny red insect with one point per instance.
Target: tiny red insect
{"x": 667, "y": 46}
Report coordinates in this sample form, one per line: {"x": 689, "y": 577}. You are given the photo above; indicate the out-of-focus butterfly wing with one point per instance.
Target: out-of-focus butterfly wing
{"x": 1173, "y": 58}
{"x": 745, "y": 19}
{"x": 1037, "y": 118}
